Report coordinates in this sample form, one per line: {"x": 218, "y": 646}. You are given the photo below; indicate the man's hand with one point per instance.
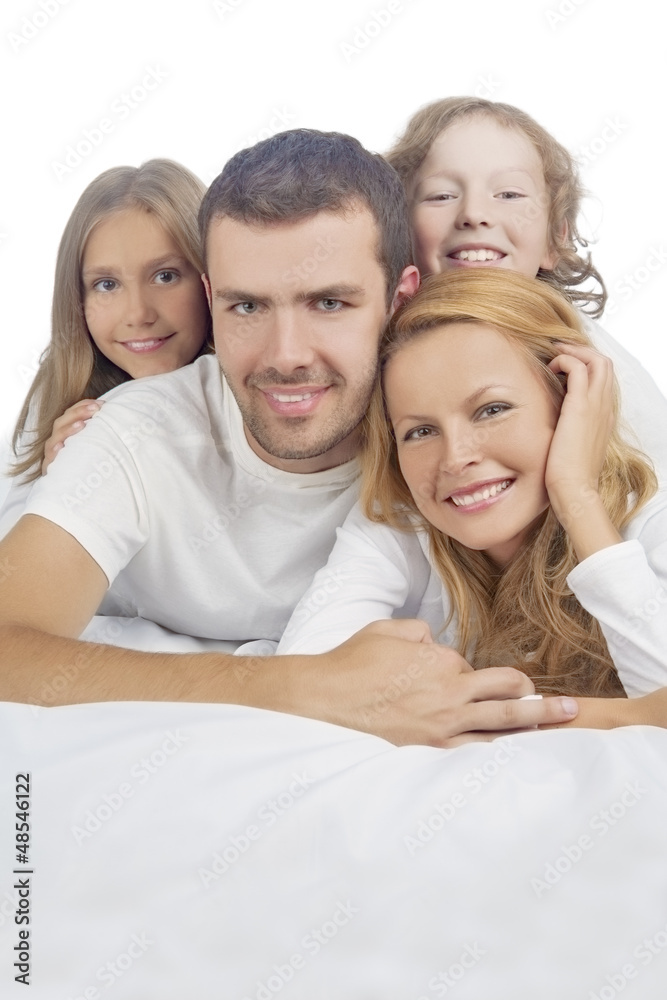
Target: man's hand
{"x": 391, "y": 680}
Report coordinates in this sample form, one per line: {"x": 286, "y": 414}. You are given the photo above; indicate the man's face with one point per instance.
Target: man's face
{"x": 298, "y": 309}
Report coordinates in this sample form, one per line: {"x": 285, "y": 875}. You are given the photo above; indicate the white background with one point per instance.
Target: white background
{"x": 229, "y": 72}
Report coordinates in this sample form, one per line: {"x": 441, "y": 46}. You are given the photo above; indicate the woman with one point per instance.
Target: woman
{"x": 500, "y": 501}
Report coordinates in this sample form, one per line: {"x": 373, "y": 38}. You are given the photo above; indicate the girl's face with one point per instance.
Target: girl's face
{"x": 473, "y": 425}
{"x": 479, "y": 199}
{"x": 144, "y": 303}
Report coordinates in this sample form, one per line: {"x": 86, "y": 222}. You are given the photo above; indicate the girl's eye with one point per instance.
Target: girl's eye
{"x": 441, "y": 196}
{"x": 104, "y": 285}
{"x": 166, "y": 277}
{"x": 492, "y": 410}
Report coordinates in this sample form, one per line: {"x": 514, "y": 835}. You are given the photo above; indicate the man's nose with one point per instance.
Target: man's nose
{"x": 289, "y": 343}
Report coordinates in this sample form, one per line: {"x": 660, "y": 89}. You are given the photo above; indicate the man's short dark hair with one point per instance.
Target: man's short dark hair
{"x": 295, "y": 174}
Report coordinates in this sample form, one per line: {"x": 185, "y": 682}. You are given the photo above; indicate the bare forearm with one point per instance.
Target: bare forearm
{"x": 610, "y": 713}
{"x": 43, "y": 669}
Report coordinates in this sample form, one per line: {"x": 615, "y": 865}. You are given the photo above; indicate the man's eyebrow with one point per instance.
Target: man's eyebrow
{"x": 237, "y": 295}
{"x": 330, "y": 292}
{"x": 341, "y": 291}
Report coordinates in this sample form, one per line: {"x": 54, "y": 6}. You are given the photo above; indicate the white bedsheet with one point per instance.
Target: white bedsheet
{"x": 203, "y": 851}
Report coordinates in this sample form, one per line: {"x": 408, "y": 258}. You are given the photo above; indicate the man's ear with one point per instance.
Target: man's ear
{"x": 207, "y": 286}
{"x": 406, "y": 288}
{"x": 552, "y": 255}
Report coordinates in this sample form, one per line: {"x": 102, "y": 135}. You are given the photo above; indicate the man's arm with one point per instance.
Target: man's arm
{"x": 385, "y": 680}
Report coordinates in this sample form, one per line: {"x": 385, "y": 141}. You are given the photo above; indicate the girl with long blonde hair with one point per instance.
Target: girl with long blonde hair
{"x": 500, "y": 501}
{"x": 128, "y": 302}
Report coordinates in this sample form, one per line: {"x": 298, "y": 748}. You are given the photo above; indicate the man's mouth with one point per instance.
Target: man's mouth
{"x": 299, "y": 403}
{"x": 292, "y": 397}
{"x": 488, "y": 492}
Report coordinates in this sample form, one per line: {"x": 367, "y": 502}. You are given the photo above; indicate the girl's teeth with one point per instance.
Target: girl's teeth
{"x": 477, "y": 255}
{"x": 485, "y": 494}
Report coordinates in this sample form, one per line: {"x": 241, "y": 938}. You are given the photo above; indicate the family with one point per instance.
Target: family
{"x": 508, "y": 516}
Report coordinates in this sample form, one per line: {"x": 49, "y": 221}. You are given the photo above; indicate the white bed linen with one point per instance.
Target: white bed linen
{"x": 200, "y": 850}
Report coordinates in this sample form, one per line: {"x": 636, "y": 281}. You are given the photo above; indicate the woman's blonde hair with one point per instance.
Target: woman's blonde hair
{"x": 524, "y": 615}
{"x": 72, "y": 366}
{"x": 560, "y": 173}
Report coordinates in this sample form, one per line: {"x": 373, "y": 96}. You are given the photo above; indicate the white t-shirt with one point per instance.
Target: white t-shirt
{"x": 191, "y": 528}
{"x": 643, "y": 406}
{"x": 377, "y": 572}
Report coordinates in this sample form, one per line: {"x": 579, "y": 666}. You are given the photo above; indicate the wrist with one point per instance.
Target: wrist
{"x": 581, "y": 512}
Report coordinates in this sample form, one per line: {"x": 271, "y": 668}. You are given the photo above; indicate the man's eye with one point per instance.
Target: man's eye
{"x": 245, "y": 308}
{"x": 104, "y": 285}
{"x": 330, "y": 305}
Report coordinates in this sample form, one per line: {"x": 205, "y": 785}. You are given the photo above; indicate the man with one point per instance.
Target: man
{"x": 208, "y": 510}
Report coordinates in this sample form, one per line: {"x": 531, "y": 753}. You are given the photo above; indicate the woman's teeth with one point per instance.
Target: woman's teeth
{"x": 485, "y": 494}
{"x": 477, "y": 255}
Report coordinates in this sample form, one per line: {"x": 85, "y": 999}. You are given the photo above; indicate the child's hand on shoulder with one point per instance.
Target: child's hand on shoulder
{"x": 72, "y": 421}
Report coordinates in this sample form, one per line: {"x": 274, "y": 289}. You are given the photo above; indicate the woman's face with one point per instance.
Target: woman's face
{"x": 473, "y": 425}
{"x": 144, "y": 303}
{"x": 479, "y": 199}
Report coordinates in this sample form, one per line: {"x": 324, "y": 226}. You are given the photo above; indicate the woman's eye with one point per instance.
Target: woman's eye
{"x": 493, "y": 409}
{"x": 104, "y": 285}
{"x": 511, "y": 195}
{"x": 166, "y": 277}
{"x": 418, "y": 434}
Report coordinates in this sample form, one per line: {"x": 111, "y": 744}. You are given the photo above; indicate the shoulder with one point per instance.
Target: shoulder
{"x": 382, "y": 537}
{"x": 196, "y": 388}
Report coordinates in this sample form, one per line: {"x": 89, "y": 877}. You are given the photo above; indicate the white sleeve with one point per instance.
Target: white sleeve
{"x": 643, "y": 406}
{"x": 14, "y": 505}
{"x": 625, "y": 588}
{"x": 373, "y": 572}
{"x": 94, "y": 491}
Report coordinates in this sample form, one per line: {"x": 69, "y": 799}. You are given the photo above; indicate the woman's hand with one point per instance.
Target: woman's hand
{"x": 611, "y": 713}
{"x": 72, "y": 421}
{"x": 578, "y": 448}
